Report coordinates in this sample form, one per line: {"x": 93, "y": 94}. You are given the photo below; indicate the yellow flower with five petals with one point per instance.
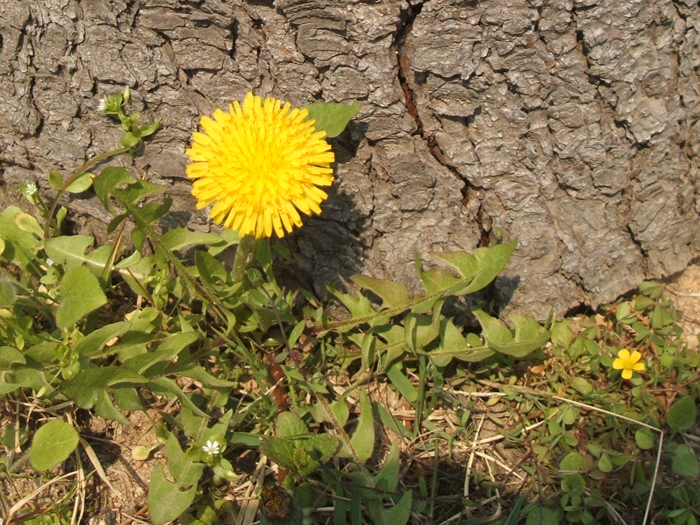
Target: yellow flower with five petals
{"x": 628, "y": 363}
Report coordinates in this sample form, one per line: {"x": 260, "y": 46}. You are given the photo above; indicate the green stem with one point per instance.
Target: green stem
{"x": 85, "y": 167}
{"x": 240, "y": 263}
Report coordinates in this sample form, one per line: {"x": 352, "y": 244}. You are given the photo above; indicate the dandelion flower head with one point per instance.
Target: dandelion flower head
{"x": 628, "y": 363}
{"x": 260, "y": 165}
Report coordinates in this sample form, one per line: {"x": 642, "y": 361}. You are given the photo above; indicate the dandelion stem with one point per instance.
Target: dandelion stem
{"x": 245, "y": 247}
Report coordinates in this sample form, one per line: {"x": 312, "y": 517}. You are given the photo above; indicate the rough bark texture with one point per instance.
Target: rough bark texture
{"x": 569, "y": 124}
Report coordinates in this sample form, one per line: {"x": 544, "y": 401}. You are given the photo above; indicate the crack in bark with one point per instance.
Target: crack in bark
{"x": 469, "y": 191}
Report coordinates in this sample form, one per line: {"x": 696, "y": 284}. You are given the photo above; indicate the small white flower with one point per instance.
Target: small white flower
{"x": 212, "y": 448}
{"x": 102, "y": 105}
{"x": 49, "y": 262}
{"x": 31, "y": 188}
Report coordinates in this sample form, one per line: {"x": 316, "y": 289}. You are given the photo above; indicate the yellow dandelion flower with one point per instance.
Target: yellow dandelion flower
{"x": 628, "y": 363}
{"x": 260, "y": 165}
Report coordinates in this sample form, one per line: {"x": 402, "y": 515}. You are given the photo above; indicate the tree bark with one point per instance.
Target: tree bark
{"x": 571, "y": 125}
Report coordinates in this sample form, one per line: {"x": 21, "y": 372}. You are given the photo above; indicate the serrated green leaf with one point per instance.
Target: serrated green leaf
{"x": 165, "y": 385}
{"x": 332, "y": 118}
{"x": 106, "y": 409}
{"x": 84, "y": 387}
{"x": 81, "y": 294}
{"x": 454, "y": 345}
{"x": 682, "y": 414}
{"x": 52, "y": 444}
{"x": 392, "y": 294}
{"x": 528, "y": 335}
{"x": 479, "y": 268}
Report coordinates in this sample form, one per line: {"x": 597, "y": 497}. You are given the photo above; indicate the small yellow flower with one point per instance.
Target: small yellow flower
{"x": 260, "y": 164}
{"x": 628, "y": 363}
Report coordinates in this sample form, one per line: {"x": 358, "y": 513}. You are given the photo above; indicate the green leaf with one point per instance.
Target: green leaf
{"x": 392, "y": 294}
{"x": 685, "y": 462}
{"x": 165, "y": 385}
{"x": 332, "y": 118}
{"x": 644, "y": 439}
{"x": 401, "y": 512}
{"x": 479, "y": 268}
{"x": 82, "y": 183}
{"x": 68, "y": 250}
{"x": 179, "y": 238}
{"x": 93, "y": 343}
{"x": 183, "y": 470}
{"x": 52, "y": 444}
{"x": 84, "y": 387}
{"x": 321, "y": 446}
{"x": 572, "y": 462}
{"x": 528, "y": 334}
{"x": 387, "y": 479}
{"x": 289, "y": 425}
{"x": 582, "y": 386}
{"x": 401, "y": 382}
{"x": 56, "y": 180}
{"x": 10, "y": 356}
{"x": 167, "y": 500}
{"x": 279, "y": 450}
{"x": 149, "y": 129}
{"x": 454, "y": 345}
{"x": 363, "y": 438}
{"x": 129, "y": 140}
{"x": 604, "y": 463}
{"x": 109, "y": 180}
{"x": 27, "y": 223}
{"x": 20, "y": 245}
{"x": 540, "y": 515}
{"x": 682, "y": 414}
{"x": 81, "y": 293}
{"x": 8, "y": 294}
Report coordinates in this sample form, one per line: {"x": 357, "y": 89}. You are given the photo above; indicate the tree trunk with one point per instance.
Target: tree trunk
{"x": 571, "y": 125}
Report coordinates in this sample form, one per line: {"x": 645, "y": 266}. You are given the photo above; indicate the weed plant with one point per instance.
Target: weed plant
{"x": 266, "y": 406}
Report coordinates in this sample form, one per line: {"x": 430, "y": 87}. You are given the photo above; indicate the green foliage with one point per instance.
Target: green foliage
{"x": 348, "y": 397}
{"x": 52, "y": 444}
{"x": 332, "y": 118}
{"x": 682, "y": 414}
